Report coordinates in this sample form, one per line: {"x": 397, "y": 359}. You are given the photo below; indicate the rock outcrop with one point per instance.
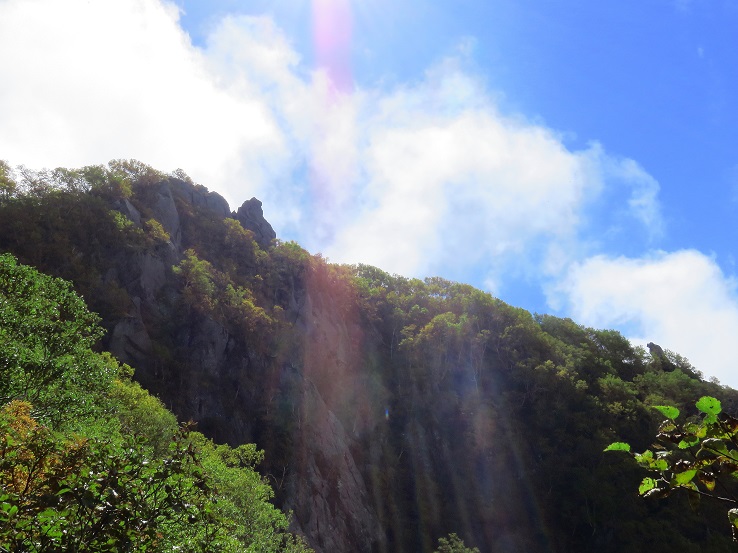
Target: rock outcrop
{"x": 251, "y": 217}
{"x": 233, "y": 391}
{"x": 392, "y": 411}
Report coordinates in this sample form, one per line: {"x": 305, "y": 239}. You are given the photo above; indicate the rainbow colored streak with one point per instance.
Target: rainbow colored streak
{"x": 332, "y": 30}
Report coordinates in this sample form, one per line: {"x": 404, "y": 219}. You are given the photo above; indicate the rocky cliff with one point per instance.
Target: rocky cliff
{"x": 392, "y": 411}
{"x": 233, "y": 390}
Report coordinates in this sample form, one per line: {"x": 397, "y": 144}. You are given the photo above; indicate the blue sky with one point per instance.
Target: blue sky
{"x": 572, "y": 158}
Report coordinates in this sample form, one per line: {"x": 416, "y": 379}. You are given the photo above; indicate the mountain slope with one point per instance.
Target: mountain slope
{"x": 393, "y": 411}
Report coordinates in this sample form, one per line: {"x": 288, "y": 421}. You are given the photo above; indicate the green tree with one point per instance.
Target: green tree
{"x": 89, "y": 461}
{"x": 74, "y": 494}
{"x": 198, "y": 282}
{"x": 454, "y": 544}
{"x": 46, "y": 336}
{"x": 7, "y": 182}
{"x": 244, "y": 497}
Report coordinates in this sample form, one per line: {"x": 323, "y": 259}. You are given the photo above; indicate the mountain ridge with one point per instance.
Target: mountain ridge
{"x": 392, "y": 411}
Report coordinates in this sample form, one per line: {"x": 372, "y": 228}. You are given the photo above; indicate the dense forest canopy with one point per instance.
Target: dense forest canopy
{"x": 89, "y": 461}
{"x": 392, "y": 411}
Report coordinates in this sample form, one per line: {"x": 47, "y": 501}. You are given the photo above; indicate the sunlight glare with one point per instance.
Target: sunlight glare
{"x": 332, "y": 33}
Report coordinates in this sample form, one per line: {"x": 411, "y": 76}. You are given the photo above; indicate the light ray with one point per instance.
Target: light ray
{"x": 332, "y": 39}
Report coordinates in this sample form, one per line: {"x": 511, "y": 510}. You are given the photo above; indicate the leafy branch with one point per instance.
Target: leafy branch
{"x": 699, "y": 455}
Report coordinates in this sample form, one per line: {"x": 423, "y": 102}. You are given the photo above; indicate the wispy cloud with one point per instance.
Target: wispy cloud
{"x": 88, "y": 82}
{"x": 681, "y": 300}
{"x": 424, "y": 177}
{"x": 643, "y": 190}
{"x": 431, "y": 167}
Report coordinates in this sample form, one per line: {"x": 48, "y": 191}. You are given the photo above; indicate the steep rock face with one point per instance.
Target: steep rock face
{"x": 326, "y": 490}
{"x": 238, "y": 394}
{"x": 129, "y": 339}
{"x": 371, "y": 454}
{"x": 392, "y": 411}
{"x": 251, "y": 217}
{"x": 200, "y": 197}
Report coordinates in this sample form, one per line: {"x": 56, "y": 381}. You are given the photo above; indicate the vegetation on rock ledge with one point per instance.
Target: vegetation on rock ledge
{"x": 392, "y": 411}
{"x": 91, "y": 462}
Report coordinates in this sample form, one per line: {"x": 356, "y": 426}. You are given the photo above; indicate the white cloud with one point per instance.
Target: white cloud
{"x": 85, "y": 82}
{"x": 680, "y": 300}
{"x": 445, "y": 177}
{"x": 451, "y": 184}
{"x": 643, "y": 204}
{"x": 426, "y": 177}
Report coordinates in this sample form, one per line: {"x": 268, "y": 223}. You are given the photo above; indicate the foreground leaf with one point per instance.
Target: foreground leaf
{"x": 709, "y": 405}
{"x": 668, "y": 411}
{"x": 646, "y": 485}
{"x": 684, "y": 477}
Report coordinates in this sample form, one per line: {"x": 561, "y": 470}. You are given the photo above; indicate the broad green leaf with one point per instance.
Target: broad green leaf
{"x": 668, "y": 411}
{"x": 709, "y": 405}
{"x": 688, "y": 442}
{"x": 618, "y": 446}
{"x": 684, "y": 477}
{"x": 646, "y": 485}
{"x": 660, "y": 464}
{"x": 645, "y": 457}
{"x": 710, "y": 418}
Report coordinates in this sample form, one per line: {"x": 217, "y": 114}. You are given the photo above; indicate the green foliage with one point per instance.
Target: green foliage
{"x": 244, "y": 497}
{"x": 156, "y": 232}
{"x": 182, "y": 175}
{"x": 141, "y": 414}
{"x": 46, "y": 335}
{"x": 453, "y": 544}
{"x": 135, "y": 171}
{"x": 212, "y": 292}
{"x": 7, "y": 182}
{"x": 709, "y": 406}
{"x": 239, "y": 247}
{"x": 697, "y": 456}
{"x": 669, "y": 412}
{"x": 618, "y": 446}
{"x": 464, "y": 411}
{"x": 198, "y": 281}
{"x": 72, "y": 494}
{"x": 69, "y": 493}
{"x": 89, "y": 461}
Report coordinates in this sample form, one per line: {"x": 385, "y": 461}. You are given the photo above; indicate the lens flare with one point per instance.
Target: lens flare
{"x": 332, "y": 33}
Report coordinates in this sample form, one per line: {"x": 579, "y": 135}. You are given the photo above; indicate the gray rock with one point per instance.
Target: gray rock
{"x": 326, "y": 490}
{"x": 152, "y": 275}
{"x": 165, "y": 211}
{"x": 129, "y": 339}
{"x": 656, "y": 350}
{"x": 127, "y": 209}
{"x": 199, "y": 196}
{"x": 251, "y": 217}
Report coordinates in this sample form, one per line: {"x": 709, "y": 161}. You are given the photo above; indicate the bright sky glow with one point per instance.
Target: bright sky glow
{"x": 332, "y": 29}
{"x": 572, "y": 158}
